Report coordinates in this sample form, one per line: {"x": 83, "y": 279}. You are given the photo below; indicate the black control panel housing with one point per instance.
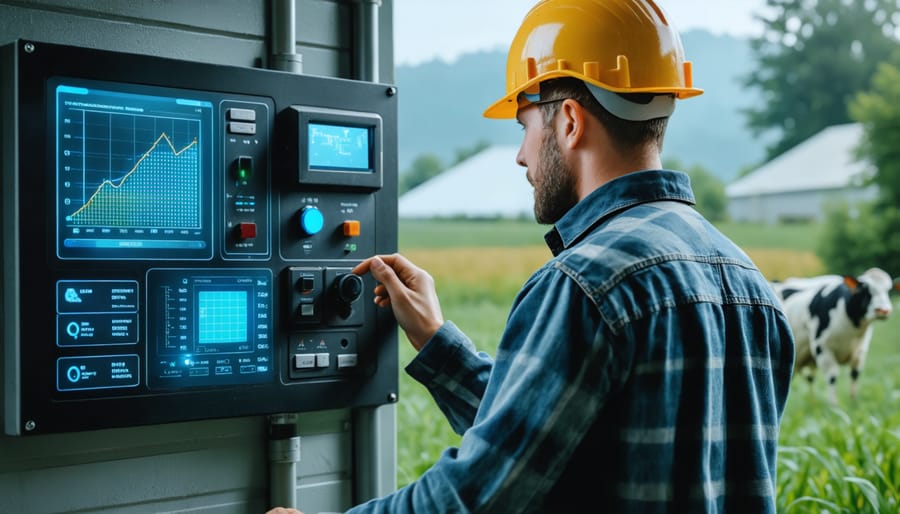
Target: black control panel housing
{"x": 177, "y": 240}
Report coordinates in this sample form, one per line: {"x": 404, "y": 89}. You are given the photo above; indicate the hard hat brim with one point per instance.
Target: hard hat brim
{"x": 508, "y": 106}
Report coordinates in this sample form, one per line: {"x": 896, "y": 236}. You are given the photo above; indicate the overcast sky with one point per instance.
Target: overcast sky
{"x": 428, "y": 29}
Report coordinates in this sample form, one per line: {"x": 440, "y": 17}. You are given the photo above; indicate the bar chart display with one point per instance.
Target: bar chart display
{"x": 133, "y": 172}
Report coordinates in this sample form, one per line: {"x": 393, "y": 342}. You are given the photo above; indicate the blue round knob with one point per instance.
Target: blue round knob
{"x": 311, "y": 220}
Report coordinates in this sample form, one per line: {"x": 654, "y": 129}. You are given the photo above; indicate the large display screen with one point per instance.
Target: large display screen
{"x": 133, "y": 171}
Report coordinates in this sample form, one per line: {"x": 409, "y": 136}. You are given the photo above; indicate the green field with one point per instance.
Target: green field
{"x": 460, "y": 233}
{"x": 843, "y": 459}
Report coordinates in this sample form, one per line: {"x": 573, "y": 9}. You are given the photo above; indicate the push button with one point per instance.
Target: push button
{"x": 311, "y": 220}
{"x": 307, "y": 284}
{"x": 304, "y": 361}
{"x": 347, "y": 360}
{"x": 241, "y": 114}
{"x": 246, "y": 230}
{"x": 240, "y": 127}
{"x": 351, "y": 228}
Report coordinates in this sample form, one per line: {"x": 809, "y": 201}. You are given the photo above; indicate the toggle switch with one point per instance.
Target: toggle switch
{"x": 243, "y": 168}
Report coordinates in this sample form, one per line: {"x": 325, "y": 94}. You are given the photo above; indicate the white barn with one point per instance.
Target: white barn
{"x": 487, "y": 185}
{"x": 797, "y": 185}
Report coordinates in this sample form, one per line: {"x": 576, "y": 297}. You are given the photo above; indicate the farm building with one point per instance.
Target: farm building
{"x": 797, "y": 185}
{"x": 487, "y": 185}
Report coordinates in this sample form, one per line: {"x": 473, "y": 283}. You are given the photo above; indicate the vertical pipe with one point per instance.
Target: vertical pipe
{"x": 284, "y": 454}
{"x": 370, "y": 480}
{"x": 375, "y": 465}
{"x": 284, "y": 37}
{"x": 367, "y": 51}
{"x": 284, "y": 437}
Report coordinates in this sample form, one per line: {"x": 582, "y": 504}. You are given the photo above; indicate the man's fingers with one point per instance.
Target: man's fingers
{"x": 385, "y": 274}
{"x": 363, "y": 267}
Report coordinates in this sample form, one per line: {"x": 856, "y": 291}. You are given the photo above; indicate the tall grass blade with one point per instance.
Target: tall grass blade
{"x": 868, "y": 490}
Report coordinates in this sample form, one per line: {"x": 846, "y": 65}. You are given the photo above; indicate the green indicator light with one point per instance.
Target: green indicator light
{"x": 244, "y": 167}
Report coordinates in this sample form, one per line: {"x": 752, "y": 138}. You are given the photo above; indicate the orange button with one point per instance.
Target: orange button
{"x": 351, "y": 228}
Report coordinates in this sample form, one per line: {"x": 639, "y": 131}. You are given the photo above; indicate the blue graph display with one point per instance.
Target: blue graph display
{"x": 222, "y": 317}
{"x": 339, "y": 147}
{"x": 133, "y": 172}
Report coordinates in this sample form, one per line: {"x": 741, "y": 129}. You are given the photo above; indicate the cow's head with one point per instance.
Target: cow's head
{"x": 870, "y": 293}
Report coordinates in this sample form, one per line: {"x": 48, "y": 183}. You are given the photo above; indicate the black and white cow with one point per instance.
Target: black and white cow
{"x": 831, "y": 318}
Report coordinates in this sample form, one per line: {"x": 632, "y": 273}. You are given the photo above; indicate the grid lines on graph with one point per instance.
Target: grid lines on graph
{"x": 222, "y": 317}
{"x": 162, "y": 189}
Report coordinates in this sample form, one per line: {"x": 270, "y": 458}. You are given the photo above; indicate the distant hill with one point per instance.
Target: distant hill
{"x": 441, "y": 105}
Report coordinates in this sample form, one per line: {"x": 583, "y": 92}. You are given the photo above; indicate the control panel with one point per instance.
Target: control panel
{"x": 178, "y": 240}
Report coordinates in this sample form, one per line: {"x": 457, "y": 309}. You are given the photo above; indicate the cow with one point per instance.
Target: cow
{"x": 831, "y": 318}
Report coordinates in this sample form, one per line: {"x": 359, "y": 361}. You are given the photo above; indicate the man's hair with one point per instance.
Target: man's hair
{"x": 626, "y": 135}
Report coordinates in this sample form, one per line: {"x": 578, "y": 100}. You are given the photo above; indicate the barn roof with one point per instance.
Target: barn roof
{"x": 487, "y": 185}
{"x": 824, "y": 161}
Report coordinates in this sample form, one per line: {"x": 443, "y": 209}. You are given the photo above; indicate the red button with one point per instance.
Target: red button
{"x": 246, "y": 230}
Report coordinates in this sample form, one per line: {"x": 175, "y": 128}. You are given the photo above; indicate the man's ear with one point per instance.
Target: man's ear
{"x": 571, "y": 122}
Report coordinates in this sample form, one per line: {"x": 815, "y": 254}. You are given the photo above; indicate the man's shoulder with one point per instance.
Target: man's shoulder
{"x": 644, "y": 232}
{"x": 644, "y": 236}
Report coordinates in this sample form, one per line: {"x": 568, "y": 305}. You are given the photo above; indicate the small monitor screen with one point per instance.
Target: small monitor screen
{"x": 133, "y": 171}
{"x": 340, "y": 147}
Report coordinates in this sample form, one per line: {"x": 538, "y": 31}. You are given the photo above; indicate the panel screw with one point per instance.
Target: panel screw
{"x": 30, "y": 425}
{"x": 392, "y": 397}
{"x": 29, "y": 47}
{"x": 391, "y": 91}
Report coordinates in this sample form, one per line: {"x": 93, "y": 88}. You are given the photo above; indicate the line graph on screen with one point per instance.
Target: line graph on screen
{"x": 137, "y": 172}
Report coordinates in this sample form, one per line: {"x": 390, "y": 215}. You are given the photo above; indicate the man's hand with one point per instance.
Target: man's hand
{"x": 283, "y": 510}
{"x": 409, "y": 291}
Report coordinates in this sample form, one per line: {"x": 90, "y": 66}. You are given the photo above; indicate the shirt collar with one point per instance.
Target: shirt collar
{"x": 615, "y": 196}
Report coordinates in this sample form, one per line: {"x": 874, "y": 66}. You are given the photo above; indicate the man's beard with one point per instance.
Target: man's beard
{"x": 554, "y": 184}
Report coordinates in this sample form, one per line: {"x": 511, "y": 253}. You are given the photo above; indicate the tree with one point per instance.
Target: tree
{"x": 427, "y": 166}
{"x": 812, "y": 58}
{"x": 709, "y": 191}
{"x": 871, "y": 237}
{"x": 879, "y": 112}
{"x": 464, "y": 153}
{"x": 423, "y": 168}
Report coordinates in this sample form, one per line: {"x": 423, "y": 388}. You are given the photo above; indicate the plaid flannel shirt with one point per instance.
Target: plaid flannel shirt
{"x": 644, "y": 368}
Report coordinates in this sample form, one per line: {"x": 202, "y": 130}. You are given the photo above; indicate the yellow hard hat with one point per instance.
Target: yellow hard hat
{"x": 623, "y": 46}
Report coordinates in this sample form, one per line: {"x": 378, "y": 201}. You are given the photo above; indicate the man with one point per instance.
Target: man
{"x": 645, "y": 368}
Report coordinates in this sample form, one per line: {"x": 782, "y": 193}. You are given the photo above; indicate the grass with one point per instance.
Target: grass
{"x": 832, "y": 459}
{"x": 433, "y": 234}
{"x": 461, "y": 233}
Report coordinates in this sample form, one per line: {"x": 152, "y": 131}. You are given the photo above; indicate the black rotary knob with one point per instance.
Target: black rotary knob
{"x": 349, "y": 287}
